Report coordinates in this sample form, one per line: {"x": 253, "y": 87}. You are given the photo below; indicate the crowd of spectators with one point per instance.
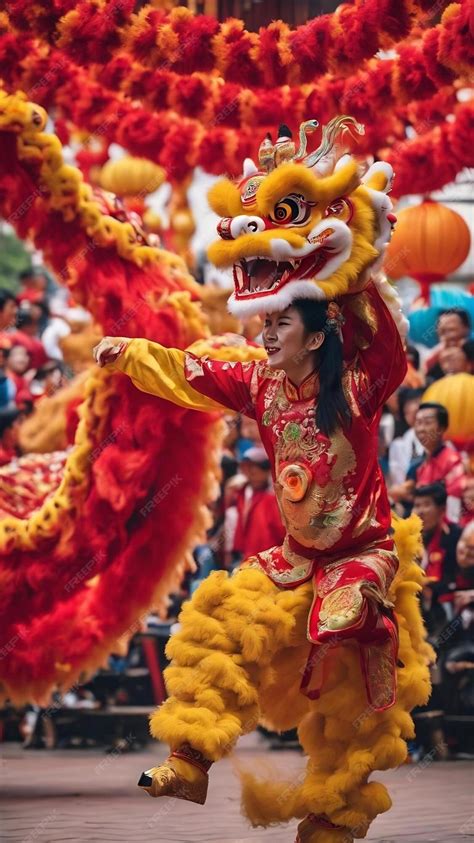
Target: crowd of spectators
{"x": 32, "y": 322}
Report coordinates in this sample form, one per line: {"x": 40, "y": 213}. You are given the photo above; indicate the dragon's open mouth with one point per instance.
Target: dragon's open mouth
{"x": 258, "y": 276}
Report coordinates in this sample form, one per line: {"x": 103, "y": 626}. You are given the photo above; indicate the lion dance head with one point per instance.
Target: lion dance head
{"x": 301, "y": 225}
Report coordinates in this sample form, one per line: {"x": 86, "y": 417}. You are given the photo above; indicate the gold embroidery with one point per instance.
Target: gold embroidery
{"x": 193, "y": 367}
{"x": 374, "y": 593}
{"x": 305, "y": 391}
{"x": 319, "y": 519}
{"x": 261, "y": 371}
{"x": 384, "y": 563}
{"x": 373, "y": 547}
{"x": 275, "y": 401}
{"x": 294, "y": 480}
{"x": 293, "y": 558}
{"x": 327, "y": 583}
{"x": 294, "y": 575}
{"x": 348, "y": 378}
{"x": 380, "y": 673}
{"x": 341, "y": 608}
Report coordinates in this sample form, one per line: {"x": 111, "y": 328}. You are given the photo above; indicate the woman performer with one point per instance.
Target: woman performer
{"x": 318, "y": 417}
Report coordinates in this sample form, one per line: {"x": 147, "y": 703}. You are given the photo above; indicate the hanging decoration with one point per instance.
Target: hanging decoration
{"x": 180, "y": 144}
{"x": 429, "y": 243}
{"x": 182, "y": 225}
{"x": 130, "y": 176}
{"x": 416, "y": 73}
{"x": 93, "y": 32}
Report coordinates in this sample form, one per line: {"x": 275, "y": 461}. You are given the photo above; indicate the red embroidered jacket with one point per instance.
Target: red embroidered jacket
{"x": 331, "y": 491}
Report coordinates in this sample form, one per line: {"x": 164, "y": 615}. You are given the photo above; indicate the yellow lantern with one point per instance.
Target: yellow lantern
{"x": 456, "y": 393}
{"x": 131, "y": 176}
{"x": 182, "y": 225}
{"x": 430, "y": 241}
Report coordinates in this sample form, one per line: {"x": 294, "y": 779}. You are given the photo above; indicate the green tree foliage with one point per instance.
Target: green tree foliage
{"x": 14, "y": 258}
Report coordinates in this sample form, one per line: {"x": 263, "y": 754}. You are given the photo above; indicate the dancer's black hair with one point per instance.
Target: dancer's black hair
{"x": 332, "y": 409}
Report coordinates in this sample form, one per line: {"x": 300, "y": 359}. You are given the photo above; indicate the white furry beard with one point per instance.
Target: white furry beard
{"x": 393, "y": 302}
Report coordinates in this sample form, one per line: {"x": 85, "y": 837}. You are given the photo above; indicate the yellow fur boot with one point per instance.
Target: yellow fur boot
{"x": 230, "y": 631}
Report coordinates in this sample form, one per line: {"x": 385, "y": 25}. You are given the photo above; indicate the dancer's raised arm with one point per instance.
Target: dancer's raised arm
{"x": 179, "y": 376}
{"x": 372, "y": 332}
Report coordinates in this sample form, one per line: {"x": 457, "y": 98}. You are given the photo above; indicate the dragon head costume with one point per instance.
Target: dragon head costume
{"x": 301, "y": 225}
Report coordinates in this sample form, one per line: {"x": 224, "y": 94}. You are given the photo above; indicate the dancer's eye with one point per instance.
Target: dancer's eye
{"x": 291, "y": 210}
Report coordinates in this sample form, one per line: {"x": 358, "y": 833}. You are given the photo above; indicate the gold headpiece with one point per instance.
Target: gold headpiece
{"x": 322, "y": 159}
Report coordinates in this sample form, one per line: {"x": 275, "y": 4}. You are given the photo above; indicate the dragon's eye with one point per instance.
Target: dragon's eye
{"x": 292, "y": 210}
{"x": 342, "y": 208}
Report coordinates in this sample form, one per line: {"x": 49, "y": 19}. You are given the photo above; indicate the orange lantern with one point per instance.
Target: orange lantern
{"x": 456, "y": 393}
{"x": 430, "y": 241}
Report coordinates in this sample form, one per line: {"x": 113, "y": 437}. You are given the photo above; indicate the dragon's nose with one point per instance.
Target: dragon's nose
{"x": 229, "y": 228}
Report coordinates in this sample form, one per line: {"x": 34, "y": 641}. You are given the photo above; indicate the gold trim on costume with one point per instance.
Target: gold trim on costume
{"x": 294, "y": 575}
{"x": 341, "y": 608}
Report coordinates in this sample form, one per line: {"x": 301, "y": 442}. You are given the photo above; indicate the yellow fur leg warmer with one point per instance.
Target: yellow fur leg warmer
{"x": 230, "y": 631}
{"x": 344, "y": 739}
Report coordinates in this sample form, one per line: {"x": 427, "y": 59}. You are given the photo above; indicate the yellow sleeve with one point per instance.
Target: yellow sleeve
{"x": 159, "y": 371}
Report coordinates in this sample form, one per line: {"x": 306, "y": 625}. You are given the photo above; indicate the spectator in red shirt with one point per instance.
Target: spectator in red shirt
{"x": 259, "y": 524}
{"x": 467, "y": 512}
{"x": 18, "y": 364}
{"x": 439, "y": 536}
{"x": 10, "y": 419}
{"x": 8, "y": 309}
{"x": 465, "y": 553}
{"x": 441, "y": 462}
{"x": 440, "y": 539}
{"x": 27, "y": 333}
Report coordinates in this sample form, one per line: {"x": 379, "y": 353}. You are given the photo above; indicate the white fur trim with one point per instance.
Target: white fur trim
{"x": 345, "y": 159}
{"x": 244, "y": 224}
{"x": 303, "y": 288}
{"x": 392, "y": 300}
{"x": 380, "y": 167}
{"x": 250, "y": 168}
{"x": 340, "y": 241}
{"x": 383, "y": 206}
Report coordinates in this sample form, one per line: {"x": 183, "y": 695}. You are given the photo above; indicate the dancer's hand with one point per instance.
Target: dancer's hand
{"x": 108, "y": 350}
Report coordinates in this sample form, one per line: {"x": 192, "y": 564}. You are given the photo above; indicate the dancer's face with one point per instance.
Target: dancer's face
{"x": 287, "y": 342}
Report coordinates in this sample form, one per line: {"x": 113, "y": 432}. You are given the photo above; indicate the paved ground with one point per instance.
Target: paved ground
{"x": 83, "y": 796}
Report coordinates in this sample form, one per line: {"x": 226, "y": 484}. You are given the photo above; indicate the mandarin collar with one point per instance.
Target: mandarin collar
{"x": 303, "y": 392}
